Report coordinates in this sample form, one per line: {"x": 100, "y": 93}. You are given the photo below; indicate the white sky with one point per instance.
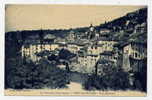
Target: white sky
{"x": 28, "y": 17}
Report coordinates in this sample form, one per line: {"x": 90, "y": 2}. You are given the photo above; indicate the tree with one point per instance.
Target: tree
{"x": 111, "y": 77}
{"x": 18, "y": 75}
{"x": 51, "y": 76}
{"x": 113, "y": 81}
{"x": 28, "y": 75}
{"x": 105, "y": 66}
{"x": 141, "y": 77}
{"x": 116, "y": 80}
{"x": 66, "y": 56}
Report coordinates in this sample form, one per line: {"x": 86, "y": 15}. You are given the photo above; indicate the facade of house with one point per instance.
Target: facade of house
{"x": 140, "y": 28}
{"x": 71, "y": 36}
{"x": 104, "y": 31}
{"x": 30, "y": 50}
{"x": 107, "y": 45}
{"x": 109, "y": 55}
{"x": 100, "y": 46}
{"x": 87, "y": 63}
{"x": 73, "y": 47}
{"x": 94, "y": 49}
{"x": 133, "y": 50}
{"x": 106, "y": 58}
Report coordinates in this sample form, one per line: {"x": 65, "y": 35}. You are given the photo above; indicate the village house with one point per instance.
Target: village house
{"x": 140, "y": 28}
{"x": 74, "y": 47}
{"x": 104, "y": 31}
{"x": 100, "y": 46}
{"x": 106, "y": 57}
{"x": 109, "y": 55}
{"x": 133, "y": 51}
{"x": 103, "y": 65}
{"x": 62, "y": 46}
{"x": 84, "y": 62}
{"x": 71, "y": 36}
{"x": 30, "y": 50}
{"x": 87, "y": 63}
{"x": 95, "y": 49}
{"x": 107, "y": 44}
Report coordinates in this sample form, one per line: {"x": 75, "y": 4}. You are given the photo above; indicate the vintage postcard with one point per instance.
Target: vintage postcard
{"x": 75, "y": 50}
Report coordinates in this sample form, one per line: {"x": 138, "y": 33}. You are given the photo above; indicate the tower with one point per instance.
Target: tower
{"x": 41, "y": 34}
{"x": 91, "y": 28}
{"x": 91, "y": 32}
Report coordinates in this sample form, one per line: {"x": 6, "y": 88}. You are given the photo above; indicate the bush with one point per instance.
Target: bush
{"x": 114, "y": 81}
{"x": 28, "y": 75}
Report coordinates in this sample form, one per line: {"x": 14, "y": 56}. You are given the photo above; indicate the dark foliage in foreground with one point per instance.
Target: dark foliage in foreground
{"x": 141, "y": 78}
{"x": 27, "y": 75}
{"x": 117, "y": 81}
{"x": 113, "y": 81}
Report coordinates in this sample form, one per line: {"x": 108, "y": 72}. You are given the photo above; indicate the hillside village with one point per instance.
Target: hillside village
{"x": 121, "y": 42}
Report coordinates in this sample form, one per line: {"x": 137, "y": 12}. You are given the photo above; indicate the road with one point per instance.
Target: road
{"x": 76, "y": 80}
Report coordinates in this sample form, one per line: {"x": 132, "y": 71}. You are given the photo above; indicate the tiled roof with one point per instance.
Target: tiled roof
{"x": 110, "y": 53}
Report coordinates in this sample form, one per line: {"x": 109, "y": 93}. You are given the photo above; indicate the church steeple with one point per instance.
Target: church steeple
{"x": 91, "y": 27}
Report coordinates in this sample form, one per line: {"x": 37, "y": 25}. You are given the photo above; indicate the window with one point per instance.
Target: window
{"x": 115, "y": 57}
{"x": 90, "y": 51}
{"x": 111, "y": 57}
{"x": 135, "y": 54}
{"x": 127, "y": 51}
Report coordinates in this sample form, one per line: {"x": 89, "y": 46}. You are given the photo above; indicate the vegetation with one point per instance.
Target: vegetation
{"x": 113, "y": 81}
{"x": 112, "y": 78}
{"x": 23, "y": 74}
{"x": 141, "y": 77}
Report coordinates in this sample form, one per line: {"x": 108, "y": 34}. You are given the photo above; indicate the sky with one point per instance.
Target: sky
{"x": 32, "y": 17}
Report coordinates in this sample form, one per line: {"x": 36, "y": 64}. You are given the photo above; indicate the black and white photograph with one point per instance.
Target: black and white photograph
{"x": 75, "y": 50}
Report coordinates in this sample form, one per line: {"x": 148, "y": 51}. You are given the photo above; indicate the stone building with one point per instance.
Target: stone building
{"x": 74, "y": 47}
{"x": 92, "y": 33}
{"x": 104, "y": 32}
{"x": 136, "y": 51}
{"x": 94, "y": 49}
{"x": 141, "y": 28}
{"x": 30, "y": 50}
{"x": 109, "y": 55}
{"x": 87, "y": 63}
{"x": 100, "y": 46}
{"x": 107, "y": 45}
{"x": 71, "y": 36}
